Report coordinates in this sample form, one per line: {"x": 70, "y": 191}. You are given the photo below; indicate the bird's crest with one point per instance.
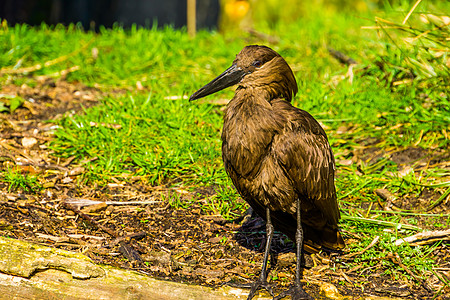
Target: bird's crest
{"x": 266, "y": 69}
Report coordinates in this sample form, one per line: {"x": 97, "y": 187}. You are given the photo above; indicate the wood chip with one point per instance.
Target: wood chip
{"x": 95, "y": 208}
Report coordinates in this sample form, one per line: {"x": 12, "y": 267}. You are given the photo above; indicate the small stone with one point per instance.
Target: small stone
{"x": 66, "y": 180}
{"x": 29, "y": 142}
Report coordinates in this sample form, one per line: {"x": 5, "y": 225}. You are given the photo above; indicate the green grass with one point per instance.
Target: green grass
{"x": 16, "y": 181}
{"x": 143, "y": 133}
{"x": 157, "y": 138}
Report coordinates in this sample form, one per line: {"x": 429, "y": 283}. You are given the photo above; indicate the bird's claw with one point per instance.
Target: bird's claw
{"x": 296, "y": 292}
{"x": 259, "y": 284}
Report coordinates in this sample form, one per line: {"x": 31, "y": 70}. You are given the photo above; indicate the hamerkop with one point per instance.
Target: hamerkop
{"x": 277, "y": 156}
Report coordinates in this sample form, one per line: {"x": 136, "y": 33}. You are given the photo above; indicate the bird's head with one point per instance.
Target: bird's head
{"x": 257, "y": 67}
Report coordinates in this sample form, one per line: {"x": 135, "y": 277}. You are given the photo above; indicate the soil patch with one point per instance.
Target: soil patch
{"x": 127, "y": 224}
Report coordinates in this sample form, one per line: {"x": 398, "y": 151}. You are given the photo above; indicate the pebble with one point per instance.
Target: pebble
{"x": 29, "y": 142}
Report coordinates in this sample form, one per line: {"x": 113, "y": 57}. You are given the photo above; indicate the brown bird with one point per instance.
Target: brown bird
{"x": 277, "y": 156}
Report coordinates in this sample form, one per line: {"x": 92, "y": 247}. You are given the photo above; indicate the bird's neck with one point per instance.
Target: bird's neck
{"x": 249, "y": 112}
{"x": 249, "y": 100}
{"x": 250, "y": 124}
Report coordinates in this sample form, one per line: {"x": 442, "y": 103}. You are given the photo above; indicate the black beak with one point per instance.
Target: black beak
{"x": 229, "y": 77}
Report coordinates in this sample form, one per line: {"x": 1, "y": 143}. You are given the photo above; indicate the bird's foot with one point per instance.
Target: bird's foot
{"x": 257, "y": 285}
{"x": 296, "y": 292}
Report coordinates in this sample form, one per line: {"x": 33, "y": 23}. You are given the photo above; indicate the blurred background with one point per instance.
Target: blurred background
{"x": 92, "y": 14}
{"x": 211, "y": 14}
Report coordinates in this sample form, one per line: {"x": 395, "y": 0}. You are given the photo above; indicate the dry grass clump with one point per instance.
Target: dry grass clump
{"x": 418, "y": 48}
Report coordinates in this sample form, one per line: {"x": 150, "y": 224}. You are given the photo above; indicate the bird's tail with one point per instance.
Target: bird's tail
{"x": 328, "y": 237}
{"x": 332, "y": 239}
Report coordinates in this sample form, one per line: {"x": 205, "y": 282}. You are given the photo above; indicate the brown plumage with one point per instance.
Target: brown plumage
{"x": 277, "y": 155}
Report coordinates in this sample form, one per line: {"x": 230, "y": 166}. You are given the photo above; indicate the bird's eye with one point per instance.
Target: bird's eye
{"x": 257, "y": 63}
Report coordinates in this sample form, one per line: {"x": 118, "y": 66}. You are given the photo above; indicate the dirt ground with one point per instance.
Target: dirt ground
{"x": 129, "y": 225}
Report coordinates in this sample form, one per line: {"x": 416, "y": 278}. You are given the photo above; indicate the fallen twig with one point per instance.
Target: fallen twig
{"x": 89, "y": 219}
{"x": 342, "y": 57}
{"x": 386, "y": 196}
{"x": 57, "y": 239}
{"x": 409, "y": 213}
{"x": 86, "y": 236}
{"x": 80, "y": 202}
{"x": 374, "y": 241}
{"x": 426, "y": 237}
{"x": 136, "y": 236}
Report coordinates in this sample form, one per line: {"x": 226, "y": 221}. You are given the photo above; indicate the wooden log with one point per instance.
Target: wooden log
{"x": 31, "y": 271}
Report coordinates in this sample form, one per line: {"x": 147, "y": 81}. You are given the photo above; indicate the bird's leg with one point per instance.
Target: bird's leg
{"x": 262, "y": 280}
{"x": 296, "y": 291}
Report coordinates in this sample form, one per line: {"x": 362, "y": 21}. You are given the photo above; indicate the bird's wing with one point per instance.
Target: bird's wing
{"x": 303, "y": 151}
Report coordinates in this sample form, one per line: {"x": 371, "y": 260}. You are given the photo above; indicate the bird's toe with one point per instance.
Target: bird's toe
{"x": 259, "y": 284}
{"x": 296, "y": 292}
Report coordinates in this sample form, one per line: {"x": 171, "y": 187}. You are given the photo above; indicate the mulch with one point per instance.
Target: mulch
{"x": 131, "y": 224}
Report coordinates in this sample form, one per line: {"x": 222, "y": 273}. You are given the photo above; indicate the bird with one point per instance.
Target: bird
{"x": 278, "y": 157}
